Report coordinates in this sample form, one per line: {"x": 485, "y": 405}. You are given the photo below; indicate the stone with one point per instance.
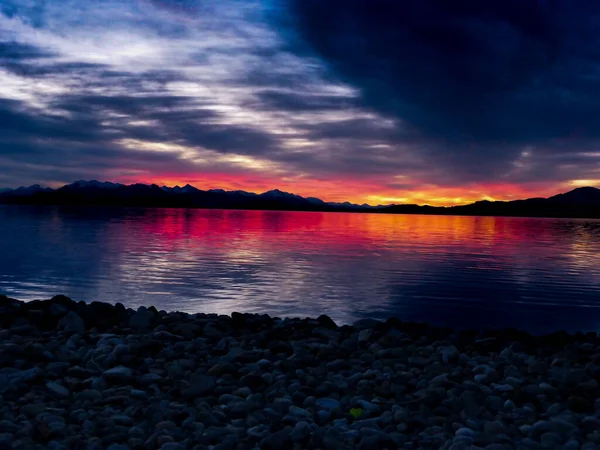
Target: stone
{"x": 502, "y": 387}
{"x": 300, "y": 413}
{"x": 448, "y": 353}
{"x": 72, "y": 323}
{"x": 365, "y": 335}
{"x": 327, "y": 403}
{"x": 326, "y": 321}
{"x": 199, "y": 386}
{"x": 118, "y": 374}
{"x": 172, "y": 446}
{"x": 142, "y": 318}
{"x": 117, "y": 447}
{"x": 57, "y": 389}
{"x": 277, "y": 441}
{"x": 580, "y": 404}
{"x": 333, "y": 440}
{"x": 150, "y": 378}
{"x": 301, "y": 432}
{"x": 259, "y": 432}
{"x": 495, "y": 427}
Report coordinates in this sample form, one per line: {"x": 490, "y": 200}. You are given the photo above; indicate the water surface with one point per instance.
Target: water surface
{"x": 535, "y": 274}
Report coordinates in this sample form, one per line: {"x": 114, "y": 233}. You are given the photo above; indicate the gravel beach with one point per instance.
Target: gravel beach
{"x": 100, "y": 376}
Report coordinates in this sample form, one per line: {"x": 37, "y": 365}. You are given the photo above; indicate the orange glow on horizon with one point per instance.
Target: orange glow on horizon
{"x": 364, "y": 191}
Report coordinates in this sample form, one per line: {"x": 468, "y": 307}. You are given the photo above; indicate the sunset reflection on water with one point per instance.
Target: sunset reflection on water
{"x": 538, "y": 274}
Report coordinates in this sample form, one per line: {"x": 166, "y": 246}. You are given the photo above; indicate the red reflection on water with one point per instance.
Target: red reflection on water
{"x": 323, "y": 231}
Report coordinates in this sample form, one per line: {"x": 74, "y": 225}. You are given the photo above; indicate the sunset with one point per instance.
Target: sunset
{"x": 300, "y": 224}
{"x": 257, "y": 95}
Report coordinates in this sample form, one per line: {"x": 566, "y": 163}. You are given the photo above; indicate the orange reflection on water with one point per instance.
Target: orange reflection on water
{"x": 325, "y": 231}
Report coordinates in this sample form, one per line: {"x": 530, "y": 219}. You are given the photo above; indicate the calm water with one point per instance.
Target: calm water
{"x": 535, "y": 274}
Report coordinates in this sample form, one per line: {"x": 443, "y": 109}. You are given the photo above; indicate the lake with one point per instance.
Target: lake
{"x": 539, "y": 275}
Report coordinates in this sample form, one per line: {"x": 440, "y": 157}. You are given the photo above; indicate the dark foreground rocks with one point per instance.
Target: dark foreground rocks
{"x": 97, "y": 376}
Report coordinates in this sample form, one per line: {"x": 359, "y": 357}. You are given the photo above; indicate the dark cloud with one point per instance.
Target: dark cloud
{"x": 18, "y": 121}
{"x": 14, "y": 51}
{"x": 295, "y": 101}
{"x": 467, "y": 71}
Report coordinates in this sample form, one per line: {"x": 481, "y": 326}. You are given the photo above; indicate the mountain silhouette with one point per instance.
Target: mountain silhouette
{"x": 582, "y": 202}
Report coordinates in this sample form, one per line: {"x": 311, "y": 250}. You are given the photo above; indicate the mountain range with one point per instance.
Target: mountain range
{"x": 582, "y": 202}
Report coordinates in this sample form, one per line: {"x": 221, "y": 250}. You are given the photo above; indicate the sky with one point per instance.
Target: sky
{"x": 378, "y": 101}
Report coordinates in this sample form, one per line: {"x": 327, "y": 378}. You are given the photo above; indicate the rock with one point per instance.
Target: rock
{"x": 118, "y": 374}
{"x": 480, "y": 378}
{"x": 448, "y": 353}
{"x": 142, "y": 318}
{"x": 365, "y": 335}
{"x": 494, "y": 428}
{"x": 117, "y": 447}
{"x": 502, "y": 387}
{"x": 299, "y": 413}
{"x": 333, "y": 440}
{"x": 72, "y": 323}
{"x": 277, "y": 441}
{"x": 199, "y": 386}
{"x": 150, "y": 378}
{"x": 327, "y": 403}
{"x": 57, "y": 310}
{"x": 375, "y": 439}
{"x": 365, "y": 323}
{"x": 301, "y": 432}
{"x": 537, "y": 366}
{"x": 326, "y": 321}
{"x": 259, "y": 432}
{"x": 57, "y": 389}
{"x": 172, "y": 446}
{"x": 554, "y": 409}
{"x": 580, "y": 404}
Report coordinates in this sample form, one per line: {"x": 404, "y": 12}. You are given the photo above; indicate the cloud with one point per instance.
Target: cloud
{"x": 479, "y": 79}
{"x": 396, "y": 96}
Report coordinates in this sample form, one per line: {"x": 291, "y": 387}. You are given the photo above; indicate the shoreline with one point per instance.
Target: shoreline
{"x": 592, "y": 217}
{"x": 95, "y": 376}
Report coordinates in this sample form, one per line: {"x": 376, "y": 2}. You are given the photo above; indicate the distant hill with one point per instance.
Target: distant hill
{"x": 113, "y": 194}
{"x": 582, "y": 202}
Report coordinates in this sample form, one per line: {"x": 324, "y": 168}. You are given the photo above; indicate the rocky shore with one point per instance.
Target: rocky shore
{"x": 99, "y": 376}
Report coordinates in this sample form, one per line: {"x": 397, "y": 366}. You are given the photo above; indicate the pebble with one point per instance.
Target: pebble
{"x": 129, "y": 379}
{"x": 57, "y": 389}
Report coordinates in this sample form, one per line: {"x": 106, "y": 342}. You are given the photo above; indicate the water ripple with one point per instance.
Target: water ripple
{"x": 537, "y": 274}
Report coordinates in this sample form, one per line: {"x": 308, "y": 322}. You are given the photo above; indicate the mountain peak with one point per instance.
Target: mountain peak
{"x": 94, "y": 184}
{"x": 582, "y": 195}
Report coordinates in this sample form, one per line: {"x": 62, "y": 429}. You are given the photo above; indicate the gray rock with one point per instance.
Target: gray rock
{"x": 465, "y": 432}
{"x": 365, "y": 335}
{"x": 172, "y": 446}
{"x": 333, "y": 440}
{"x": 150, "y": 378}
{"x": 142, "y": 318}
{"x": 327, "y": 403}
{"x": 259, "y": 432}
{"x": 57, "y": 389}
{"x": 277, "y": 441}
{"x": 71, "y": 322}
{"x": 448, "y": 353}
{"x": 300, "y": 413}
{"x": 502, "y": 387}
{"x": 373, "y": 439}
{"x": 118, "y": 374}
{"x": 301, "y": 432}
{"x": 199, "y": 386}
{"x": 118, "y": 447}
{"x": 57, "y": 310}
{"x": 494, "y": 428}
